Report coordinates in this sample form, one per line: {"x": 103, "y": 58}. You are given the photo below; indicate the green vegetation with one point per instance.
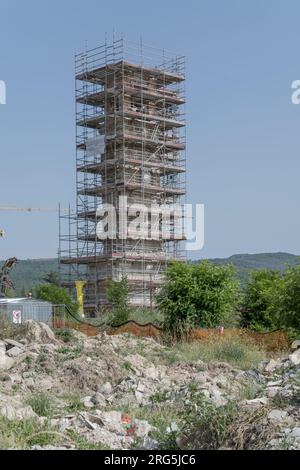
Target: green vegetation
{"x": 41, "y": 404}
{"x": 56, "y": 295}
{"x": 197, "y": 295}
{"x": 259, "y": 304}
{"x": 66, "y": 335}
{"x": 9, "y": 330}
{"x": 118, "y": 295}
{"x": 29, "y": 273}
{"x": 238, "y": 353}
{"x": 27, "y": 433}
{"x": 273, "y": 301}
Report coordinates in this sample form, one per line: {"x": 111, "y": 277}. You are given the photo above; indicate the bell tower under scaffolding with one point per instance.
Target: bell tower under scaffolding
{"x": 130, "y": 144}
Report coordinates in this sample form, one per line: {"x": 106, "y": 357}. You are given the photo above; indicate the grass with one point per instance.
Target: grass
{"x": 83, "y": 444}
{"x": 42, "y": 404}
{"x": 27, "y": 433}
{"x": 235, "y": 352}
{"x": 66, "y": 335}
{"x": 9, "y": 330}
{"x": 75, "y": 404}
{"x": 144, "y": 316}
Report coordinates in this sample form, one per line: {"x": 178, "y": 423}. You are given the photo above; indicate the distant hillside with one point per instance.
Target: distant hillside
{"x": 245, "y": 263}
{"x": 29, "y": 273}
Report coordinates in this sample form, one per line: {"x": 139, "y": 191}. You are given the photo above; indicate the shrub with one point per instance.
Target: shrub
{"x": 118, "y": 295}
{"x": 260, "y": 311}
{"x": 288, "y": 301}
{"x": 197, "y": 295}
{"x": 56, "y": 295}
{"x": 209, "y": 427}
{"x": 41, "y": 404}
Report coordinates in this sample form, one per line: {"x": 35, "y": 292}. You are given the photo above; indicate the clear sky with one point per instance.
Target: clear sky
{"x": 243, "y": 130}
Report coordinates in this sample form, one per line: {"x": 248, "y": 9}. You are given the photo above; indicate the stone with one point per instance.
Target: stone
{"x": 29, "y": 383}
{"x": 14, "y": 352}
{"x": 256, "y": 403}
{"x": 98, "y": 399}
{"x": 5, "y": 362}
{"x": 296, "y": 344}
{"x": 2, "y": 346}
{"x": 295, "y": 358}
{"x": 39, "y": 332}
{"x": 12, "y": 342}
{"x": 272, "y": 365}
{"x": 295, "y": 433}
{"x": 105, "y": 389}
{"x": 272, "y": 391}
{"x": 277, "y": 416}
{"x": 277, "y": 383}
{"x": 12, "y": 413}
{"x": 112, "y": 420}
{"x": 143, "y": 428}
{"x": 149, "y": 444}
{"x": 87, "y": 402}
{"x": 173, "y": 428}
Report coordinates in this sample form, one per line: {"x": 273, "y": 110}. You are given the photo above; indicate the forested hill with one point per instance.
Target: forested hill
{"x": 29, "y": 273}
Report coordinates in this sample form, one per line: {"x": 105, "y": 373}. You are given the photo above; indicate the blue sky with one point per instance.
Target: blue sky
{"x": 243, "y": 130}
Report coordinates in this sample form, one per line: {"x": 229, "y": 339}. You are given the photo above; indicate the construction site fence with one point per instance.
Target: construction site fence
{"x": 271, "y": 341}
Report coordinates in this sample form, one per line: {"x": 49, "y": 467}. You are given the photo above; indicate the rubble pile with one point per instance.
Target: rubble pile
{"x": 104, "y": 390}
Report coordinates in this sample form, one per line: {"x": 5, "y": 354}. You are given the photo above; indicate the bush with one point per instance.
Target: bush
{"x": 288, "y": 301}
{"x": 118, "y": 295}
{"x": 197, "y": 295}
{"x": 260, "y": 310}
{"x": 56, "y": 295}
{"x": 41, "y": 404}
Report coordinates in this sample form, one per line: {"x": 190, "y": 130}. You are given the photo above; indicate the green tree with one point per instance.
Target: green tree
{"x": 198, "y": 295}
{"x": 288, "y": 300}
{"x": 118, "y": 295}
{"x": 52, "y": 278}
{"x": 56, "y": 295}
{"x": 260, "y": 311}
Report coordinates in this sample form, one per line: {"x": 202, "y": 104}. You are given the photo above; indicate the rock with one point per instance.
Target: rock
{"x": 296, "y": 344}
{"x": 17, "y": 414}
{"x": 39, "y": 332}
{"x": 29, "y": 383}
{"x": 277, "y": 383}
{"x": 152, "y": 373}
{"x": 2, "y": 346}
{"x": 295, "y": 358}
{"x": 112, "y": 420}
{"x": 12, "y": 342}
{"x": 173, "y": 428}
{"x": 105, "y": 389}
{"x": 256, "y": 403}
{"x": 5, "y": 362}
{"x": 14, "y": 352}
{"x": 272, "y": 365}
{"x": 143, "y": 428}
{"x": 46, "y": 448}
{"x": 149, "y": 444}
{"x": 295, "y": 433}
{"x": 98, "y": 399}
{"x": 277, "y": 416}
{"x": 87, "y": 402}
{"x": 272, "y": 391}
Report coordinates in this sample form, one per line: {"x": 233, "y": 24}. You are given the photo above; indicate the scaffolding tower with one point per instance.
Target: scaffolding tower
{"x": 130, "y": 142}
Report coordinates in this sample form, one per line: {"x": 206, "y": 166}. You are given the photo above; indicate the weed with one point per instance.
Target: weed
{"x": 66, "y": 335}
{"x": 41, "y": 404}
